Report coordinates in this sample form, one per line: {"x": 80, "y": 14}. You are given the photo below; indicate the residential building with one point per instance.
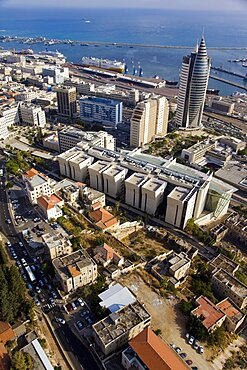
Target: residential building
{"x": 38, "y": 355}
{"x": 193, "y": 84}
{"x": 152, "y": 193}
{"x": 50, "y": 206}
{"x": 71, "y": 193}
{"x": 74, "y": 163}
{"x": 75, "y": 270}
{"x": 70, "y": 137}
{"x": 113, "y": 180}
{"x": 104, "y": 111}
{"x": 32, "y": 115}
{"x": 58, "y": 74}
{"x": 180, "y": 206}
{"x": 6, "y": 332}
{"x": 37, "y": 185}
{"x": 116, "y": 297}
{"x": 175, "y": 265}
{"x": 226, "y": 285}
{"x": 66, "y": 101}
{"x": 93, "y": 199}
{"x": 149, "y": 119}
{"x": 148, "y": 351}
{"x": 114, "y": 331}
{"x": 57, "y": 245}
{"x": 223, "y": 262}
{"x": 103, "y": 219}
{"x": 210, "y": 315}
{"x": 104, "y": 254}
{"x": 133, "y": 189}
{"x": 234, "y": 316}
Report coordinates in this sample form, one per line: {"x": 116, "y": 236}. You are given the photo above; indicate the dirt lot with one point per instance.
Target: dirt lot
{"x": 166, "y": 316}
{"x": 144, "y": 245}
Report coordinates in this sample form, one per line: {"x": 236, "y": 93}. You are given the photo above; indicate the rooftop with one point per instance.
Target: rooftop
{"x": 234, "y": 284}
{"x": 179, "y": 193}
{"x": 102, "y": 218}
{"x": 225, "y": 263}
{"x": 49, "y": 203}
{"x": 207, "y": 312}
{"x": 154, "y": 184}
{"x": 35, "y": 350}
{"x": 136, "y": 179}
{"x": 230, "y": 310}
{"x": 99, "y": 166}
{"x": 96, "y": 100}
{"x": 114, "y": 170}
{"x": 116, "y": 297}
{"x": 116, "y": 324}
{"x": 154, "y": 353}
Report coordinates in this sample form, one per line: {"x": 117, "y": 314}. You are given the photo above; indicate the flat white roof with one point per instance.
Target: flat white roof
{"x": 116, "y": 297}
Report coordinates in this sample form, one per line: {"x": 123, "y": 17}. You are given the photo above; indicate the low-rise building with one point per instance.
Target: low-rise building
{"x": 116, "y": 297}
{"x": 93, "y": 199}
{"x": 114, "y": 331}
{"x": 32, "y": 115}
{"x": 57, "y": 245}
{"x": 103, "y": 219}
{"x": 50, "y": 206}
{"x": 6, "y": 332}
{"x": 148, "y": 351}
{"x": 38, "y": 355}
{"x": 234, "y": 316}
{"x": 227, "y": 286}
{"x": 37, "y": 185}
{"x": 75, "y": 270}
{"x": 104, "y": 254}
{"x": 174, "y": 265}
{"x": 223, "y": 262}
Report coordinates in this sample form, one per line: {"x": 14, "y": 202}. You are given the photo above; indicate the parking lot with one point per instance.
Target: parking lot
{"x": 79, "y": 314}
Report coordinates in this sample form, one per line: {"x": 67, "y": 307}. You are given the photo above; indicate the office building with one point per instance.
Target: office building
{"x": 58, "y": 74}
{"x": 148, "y": 351}
{"x": 149, "y": 119}
{"x": 119, "y": 327}
{"x": 180, "y": 206}
{"x": 4, "y": 132}
{"x": 32, "y": 115}
{"x": 70, "y": 137}
{"x": 74, "y": 163}
{"x": 10, "y": 113}
{"x": 56, "y": 245}
{"x": 75, "y": 270}
{"x": 152, "y": 195}
{"x": 193, "y": 84}
{"x": 133, "y": 186}
{"x": 104, "y": 111}
{"x": 66, "y": 101}
{"x": 96, "y": 174}
{"x": 113, "y": 180}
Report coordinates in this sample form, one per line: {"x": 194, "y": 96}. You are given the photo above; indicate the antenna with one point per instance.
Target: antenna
{"x": 203, "y": 29}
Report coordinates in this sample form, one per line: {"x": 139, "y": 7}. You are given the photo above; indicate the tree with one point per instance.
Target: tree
{"x": 158, "y": 332}
{"x": 21, "y": 361}
{"x": 196, "y": 328}
{"x": 186, "y": 307}
{"x": 3, "y": 256}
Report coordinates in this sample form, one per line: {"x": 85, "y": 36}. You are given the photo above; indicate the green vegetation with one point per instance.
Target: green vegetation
{"x": 71, "y": 225}
{"x": 90, "y": 294}
{"x": 196, "y": 328}
{"x": 186, "y": 307}
{"x": 242, "y": 152}
{"x": 193, "y": 229}
{"x": 201, "y": 285}
{"x": 13, "y": 301}
{"x": 21, "y": 361}
{"x": 17, "y": 162}
{"x": 242, "y": 210}
{"x": 241, "y": 276}
{"x": 42, "y": 342}
{"x": 238, "y": 360}
{"x": 158, "y": 332}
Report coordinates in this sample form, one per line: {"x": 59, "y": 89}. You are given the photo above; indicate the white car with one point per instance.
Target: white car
{"x": 191, "y": 340}
{"x": 59, "y": 320}
{"x": 201, "y": 350}
{"x": 81, "y": 301}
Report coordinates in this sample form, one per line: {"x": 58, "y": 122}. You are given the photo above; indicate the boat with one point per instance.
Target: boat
{"x": 112, "y": 65}
{"x": 170, "y": 83}
{"x": 87, "y": 21}
{"x": 213, "y": 91}
{"x": 51, "y": 53}
{"x": 244, "y": 65}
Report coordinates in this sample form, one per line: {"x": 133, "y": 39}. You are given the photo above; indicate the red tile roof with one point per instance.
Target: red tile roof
{"x": 6, "y": 332}
{"x": 49, "y": 203}
{"x": 207, "y": 312}
{"x": 228, "y": 308}
{"x": 154, "y": 353}
{"x": 103, "y": 219}
{"x": 31, "y": 173}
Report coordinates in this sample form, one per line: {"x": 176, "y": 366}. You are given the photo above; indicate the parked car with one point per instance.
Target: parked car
{"x": 173, "y": 345}
{"x": 38, "y": 290}
{"x": 201, "y": 350}
{"x": 191, "y": 339}
{"x": 189, "y": 362}
{"x": 187, "y": 336}
{"x": 53, "y": 294}
{"x": 183, "y": 355}
{"x": 80, "y": 302}
{"x": 36, "y": 219}
{"x": 37, "y": 302}
{"x": 33, "y": 267}
{"x": 29, "y": 286}
{"x": 79, "y": 325}
{"x": 73, "y": 306}
{"x": 59, "y": 320}
{"x": 178, "y": 349}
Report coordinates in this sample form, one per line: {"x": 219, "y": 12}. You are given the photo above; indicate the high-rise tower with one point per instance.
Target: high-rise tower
{"x": 192, "y": 87}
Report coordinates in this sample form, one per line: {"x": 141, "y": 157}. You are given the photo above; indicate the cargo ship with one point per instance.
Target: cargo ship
{"x": 112, "y": 65}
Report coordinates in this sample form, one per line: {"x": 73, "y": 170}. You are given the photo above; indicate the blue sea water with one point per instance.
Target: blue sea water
{"x": 164, "y": 27}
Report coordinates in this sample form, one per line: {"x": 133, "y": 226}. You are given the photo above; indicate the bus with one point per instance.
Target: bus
{"x": 30, "y": 274}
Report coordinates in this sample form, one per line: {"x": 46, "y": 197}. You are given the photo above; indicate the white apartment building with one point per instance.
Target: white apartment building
{"x": 180, "y": 206}
{"x": 32, "y": 115}
{"x": 152, "y": 195}
{"x": 96, "y": 174}
{"x": 57, "y": 245}
{"x": 37, "y": 185}
{"x": 71, "y": 136}
{"x": 133, "y": 186}
{"x": 74, "y": 164}
{"x": 4, "y": 132}
{"x": 58, "y": 74}
{"x": 10, "y": 113}
{"x": 113, "y": 179}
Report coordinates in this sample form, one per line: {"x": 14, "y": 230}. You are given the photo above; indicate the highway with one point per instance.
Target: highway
{"x": 79, "y": 355}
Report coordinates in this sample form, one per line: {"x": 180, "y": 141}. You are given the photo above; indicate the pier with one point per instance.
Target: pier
{"x": 228, "y": 82}
{"x": 50, "y": 42}
{"x": 220, "y": 69}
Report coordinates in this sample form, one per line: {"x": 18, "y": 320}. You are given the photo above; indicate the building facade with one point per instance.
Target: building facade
{"x": 192, "y": 87}
{"x": 66, "y": 101}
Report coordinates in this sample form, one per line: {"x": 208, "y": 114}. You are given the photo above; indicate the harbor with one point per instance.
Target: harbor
{"x": 232, "y": 83}
{"x": 221, "y": 69}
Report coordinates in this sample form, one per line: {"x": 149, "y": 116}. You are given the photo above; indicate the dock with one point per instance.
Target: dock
{"x": 220, "y": 69}
{"x": 228, "y": 82}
